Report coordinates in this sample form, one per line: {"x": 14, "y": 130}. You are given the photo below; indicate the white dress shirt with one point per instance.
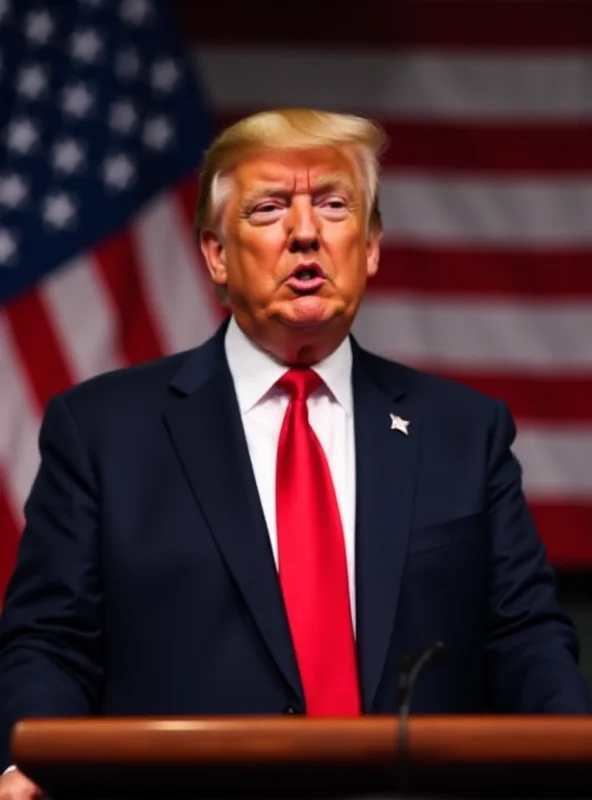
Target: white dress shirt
{"x": 330, "y": 412}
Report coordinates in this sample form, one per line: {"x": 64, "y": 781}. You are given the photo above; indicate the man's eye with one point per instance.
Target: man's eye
{"x": 333, "y": 204}
{"x": 333, "y": 201}
{"x": 265, "y": 208}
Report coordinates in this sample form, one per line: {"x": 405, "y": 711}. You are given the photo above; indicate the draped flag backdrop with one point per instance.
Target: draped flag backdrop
{"x": 486, "y": 273}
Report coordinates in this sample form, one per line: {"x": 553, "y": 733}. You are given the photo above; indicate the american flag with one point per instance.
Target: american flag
{"x": 101, "y": 133}
{"x": 486, "y": 195}
{"x": 486, "y": 269}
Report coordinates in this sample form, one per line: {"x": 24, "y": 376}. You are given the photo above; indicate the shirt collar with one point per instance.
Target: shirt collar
{"x": 255, "y": 372}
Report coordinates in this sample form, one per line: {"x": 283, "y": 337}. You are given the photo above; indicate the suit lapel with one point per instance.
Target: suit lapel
{"x": 386, "y": 467}
{"x": 204, "y": 422}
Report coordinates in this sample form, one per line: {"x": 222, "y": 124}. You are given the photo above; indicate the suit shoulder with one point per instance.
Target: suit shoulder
{"x": 126, "y": 384}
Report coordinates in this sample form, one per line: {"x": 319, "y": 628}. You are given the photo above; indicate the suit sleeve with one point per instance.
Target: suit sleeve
{"x": 531, "y": 648}
{"x": 50, "y": 628}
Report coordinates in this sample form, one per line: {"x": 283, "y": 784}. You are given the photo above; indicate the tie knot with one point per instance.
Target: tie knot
{"x": 300, "y": 383}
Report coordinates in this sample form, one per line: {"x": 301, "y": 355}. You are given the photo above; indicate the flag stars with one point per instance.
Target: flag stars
{"x": 22, "y": 136}
{"x": 31, "y": 82}
{"x": 68, "y": 156}
{"x": 13, "y": 191}
{"x": 158, "y": 133}
{"x": 86, "y": 46}
{"x": 8, "y": 247}
{"x": 78, "y": 100}
{"x": 58, "y": 210}
{"x": 164, "y": 75}
{"x": 39, "y": 27}
{"x": 136, "y": 12}
{"x": 122, "y": 116}
{"x": 118, "y": 171}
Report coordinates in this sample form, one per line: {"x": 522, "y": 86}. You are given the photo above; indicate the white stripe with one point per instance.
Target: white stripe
{"x": 177, "y": 289}
{"x": 510, "y": 337}
{"x": 492, "y": 212}
{"x": 387, "y": 83}
{"x": 19, "y": 424}
{"x": 83, "y": 317}
{"x": 556, "y": 463}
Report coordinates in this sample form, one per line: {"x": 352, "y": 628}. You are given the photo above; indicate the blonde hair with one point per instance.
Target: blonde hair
{"x": 289, "y": 129}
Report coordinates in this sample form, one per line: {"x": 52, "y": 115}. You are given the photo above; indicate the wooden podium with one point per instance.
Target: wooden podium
{"x": 295, "y": 756}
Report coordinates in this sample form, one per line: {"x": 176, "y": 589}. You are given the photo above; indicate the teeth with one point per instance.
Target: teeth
{"x": 306, "y": 274}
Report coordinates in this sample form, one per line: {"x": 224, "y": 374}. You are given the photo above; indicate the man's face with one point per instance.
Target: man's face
{"x": 294, "y": 252}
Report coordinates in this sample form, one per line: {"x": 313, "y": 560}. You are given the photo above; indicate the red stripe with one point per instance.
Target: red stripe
{"x": 418, "y": 23}
{"x": 476, "y": 147}
{"x": 495, "y": 273}
{"x": 186, "y": 196}
{"x": 9, "y": 538}
{"x": 533, "y": 398}
{"x": 117, "y": 259}
{"x": 39, "y": 348}
{"x": 566, "y": 529}
{"x": 471, "y": 147}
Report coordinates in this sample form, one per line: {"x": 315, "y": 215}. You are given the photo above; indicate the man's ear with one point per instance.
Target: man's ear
{"x": 212, "y": 249}
{"x": 373, "y": 251}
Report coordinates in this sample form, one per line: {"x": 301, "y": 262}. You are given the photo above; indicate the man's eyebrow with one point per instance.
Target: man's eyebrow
{"x": 336, "y": 180}
{"x": 265, "y": 190}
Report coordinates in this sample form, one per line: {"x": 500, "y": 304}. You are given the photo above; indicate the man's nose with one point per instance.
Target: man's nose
{"x": 303, "y": 231}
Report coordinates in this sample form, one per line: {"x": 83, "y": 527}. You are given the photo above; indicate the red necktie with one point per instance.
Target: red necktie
{"x": 312, "y": 563}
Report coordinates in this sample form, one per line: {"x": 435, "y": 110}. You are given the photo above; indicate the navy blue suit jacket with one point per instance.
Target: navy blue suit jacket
{"x": 146, "y": 584}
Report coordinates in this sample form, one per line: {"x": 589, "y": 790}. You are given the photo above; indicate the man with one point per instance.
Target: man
{"x": 272, "y": 522}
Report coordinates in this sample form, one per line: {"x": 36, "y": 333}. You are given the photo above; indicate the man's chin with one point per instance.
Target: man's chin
{"x": 307, "y": 312}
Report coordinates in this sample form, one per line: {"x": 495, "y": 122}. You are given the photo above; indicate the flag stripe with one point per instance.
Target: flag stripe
{"x": 494, "y": 212}
{"x": 187, "y": 193}
{"x": 545, "y": 87}
{"x": 521, "y": 338}
{"x": 185, "y": 200}
{"x": 118, "y": 264}
{"x": 9, "y": 534}
{"x": 556, "y": 461}
{"x": 565, "y": 528}
{"x": 37, "y": 346}
{"x": 84, "y": 317}
{"x": 466, "y": 272}
{"x": 201, "y": 279}
{"x": 533, "y": 398}
{"x": 178, "y": 297}
{"x": 19, "y": 421}
{"x": 471, "y": 146}
{"x": 481, "y": 25}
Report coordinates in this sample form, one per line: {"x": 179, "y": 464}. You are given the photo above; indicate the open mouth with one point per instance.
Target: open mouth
{"x": 306, "y": 278}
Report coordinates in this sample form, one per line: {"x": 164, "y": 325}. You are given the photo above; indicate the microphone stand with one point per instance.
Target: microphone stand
{"x": 409, "y": 674}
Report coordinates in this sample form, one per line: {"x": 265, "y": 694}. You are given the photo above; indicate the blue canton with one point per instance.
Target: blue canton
{"x": 99, "y": 112}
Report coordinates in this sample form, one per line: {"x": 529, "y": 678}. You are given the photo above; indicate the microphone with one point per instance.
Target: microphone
{"x": 410, "y": 671}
